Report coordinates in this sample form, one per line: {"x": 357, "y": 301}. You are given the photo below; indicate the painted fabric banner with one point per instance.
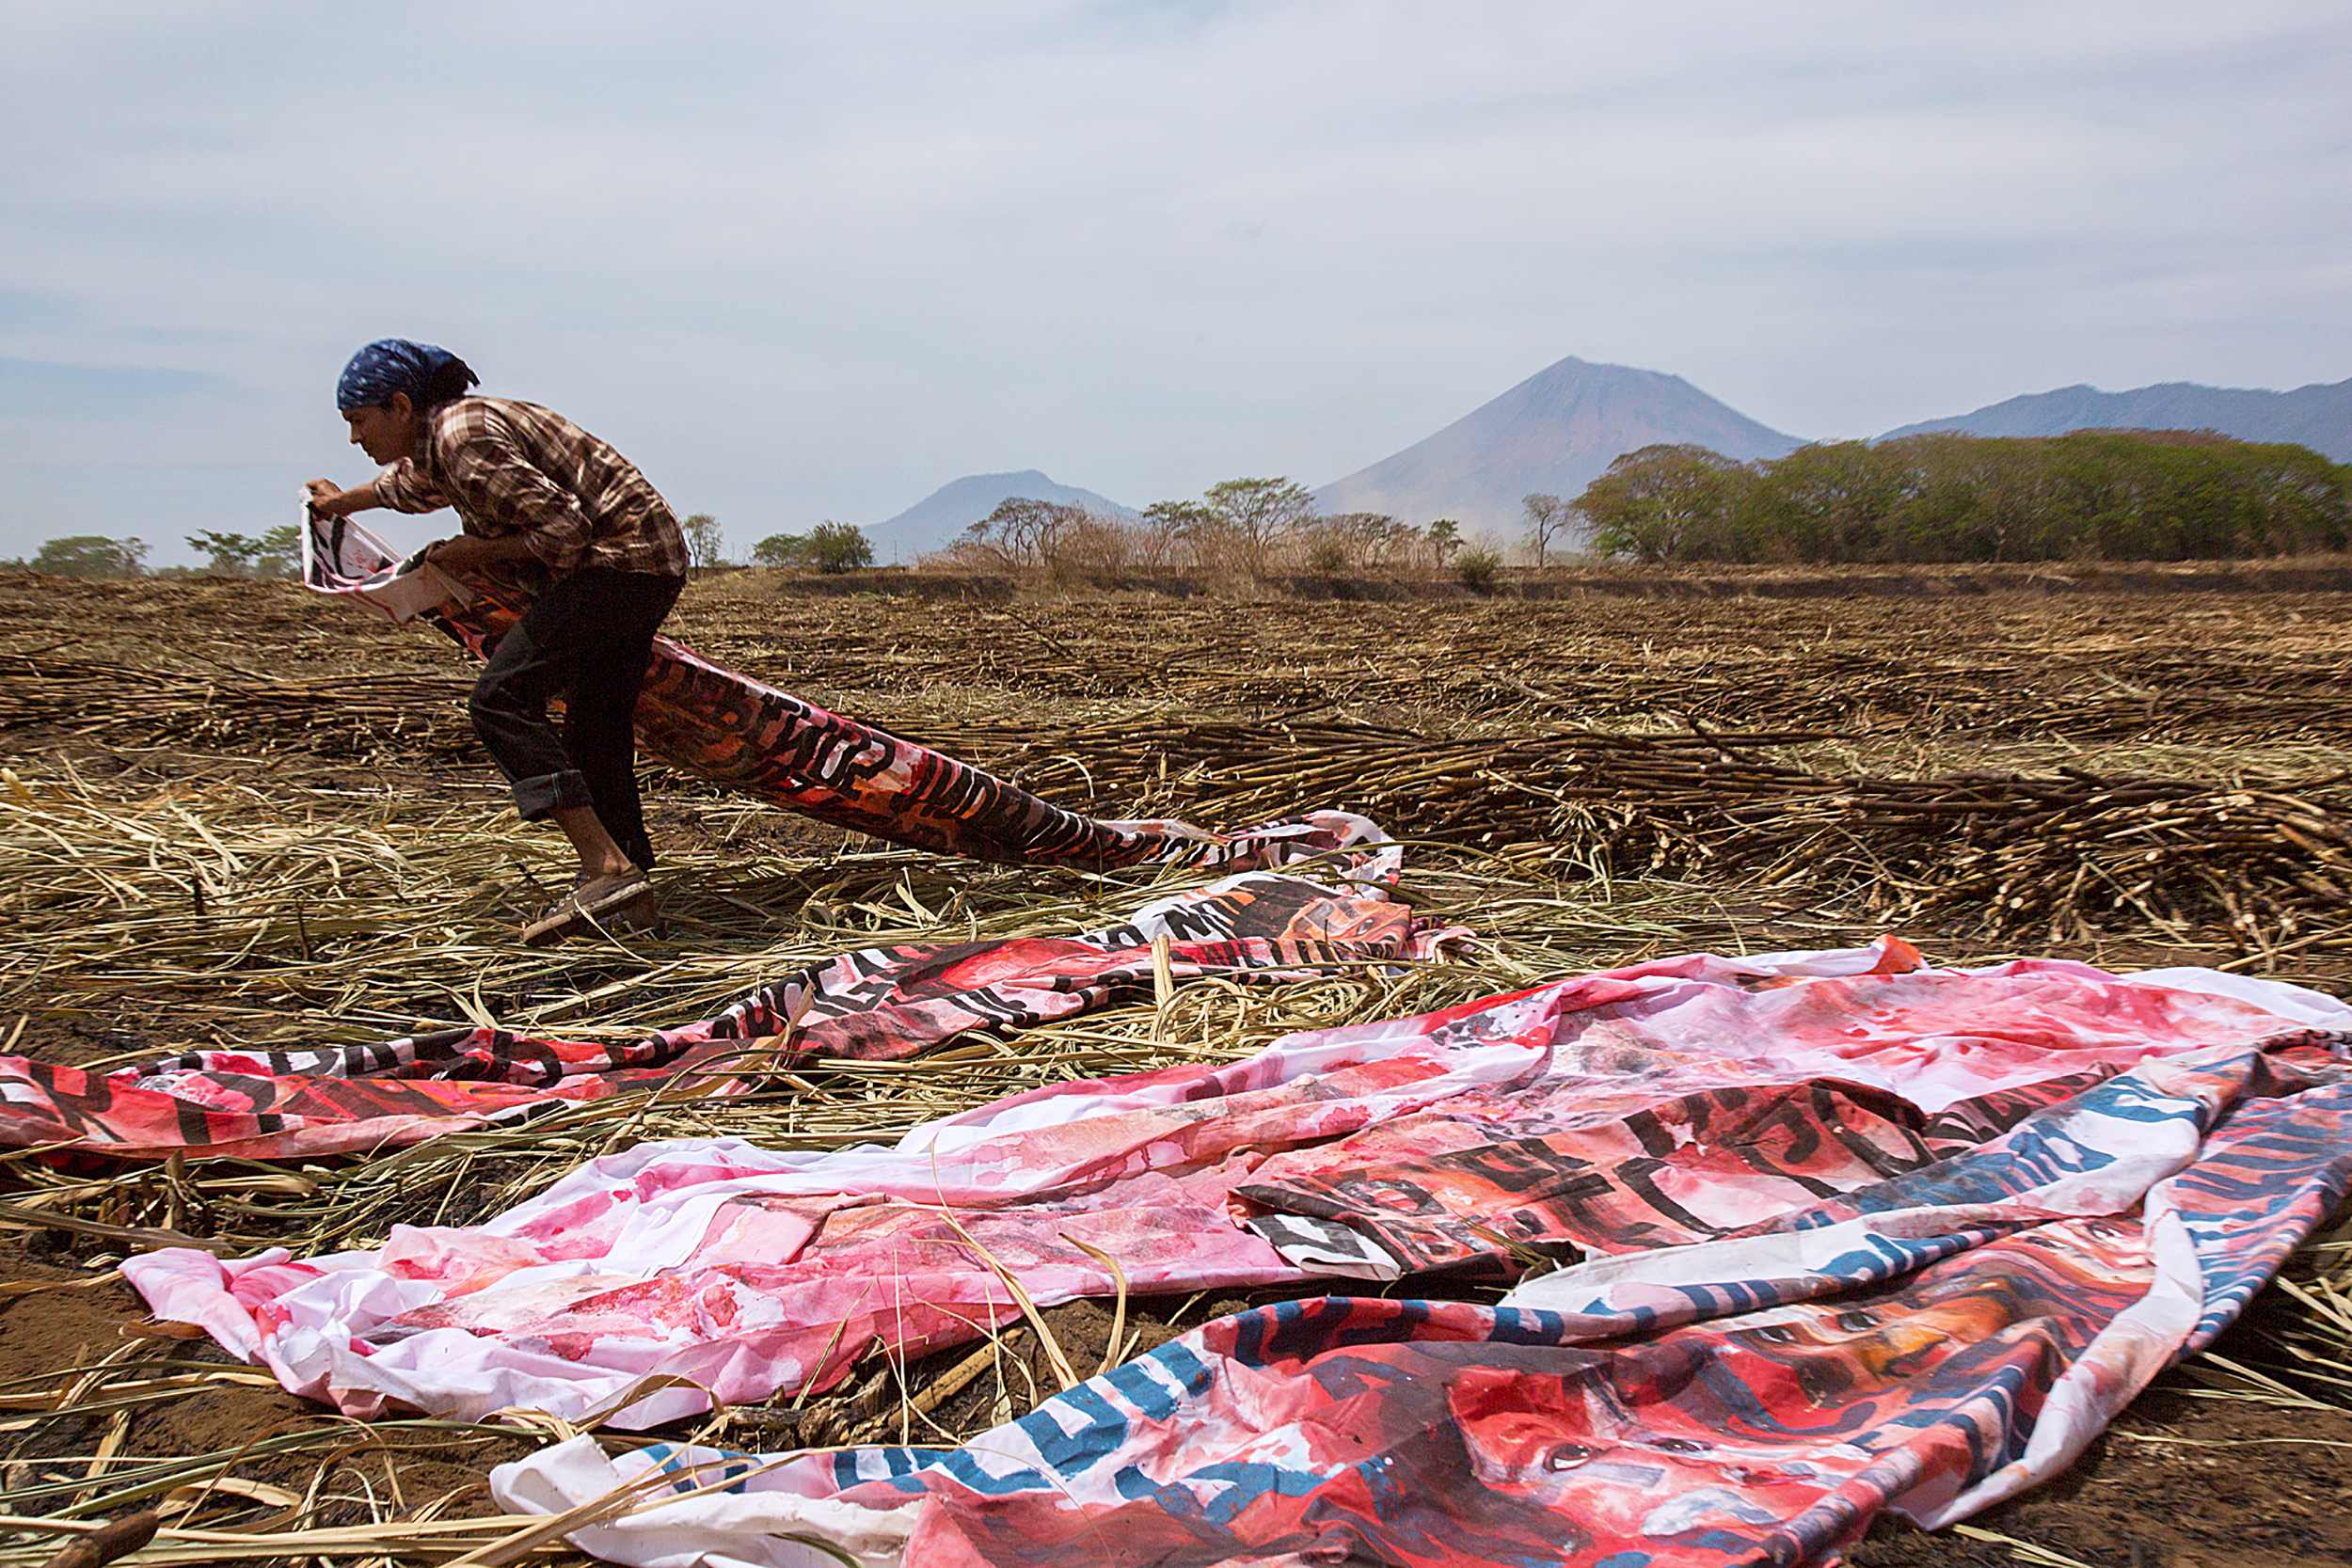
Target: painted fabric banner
{"x": 1930, "y": 1344}
{"x": 880, "y": 1004}
{"x": 1625, "y": 1113}
{"x": 732, "y": 729}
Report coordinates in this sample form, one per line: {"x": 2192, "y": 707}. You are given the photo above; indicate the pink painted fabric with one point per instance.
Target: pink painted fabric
{"x": 1600, "y": 1115}
{"x": 1927, "y": 1343}
{"x": 877, "y": 1003}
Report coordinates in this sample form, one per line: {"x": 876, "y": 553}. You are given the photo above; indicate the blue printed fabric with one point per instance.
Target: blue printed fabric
{"x": 388, "y": 366}
{"x": 1927, "y": 1344}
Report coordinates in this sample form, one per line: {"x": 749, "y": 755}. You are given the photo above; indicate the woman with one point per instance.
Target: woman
{"x": 541, "y": 498}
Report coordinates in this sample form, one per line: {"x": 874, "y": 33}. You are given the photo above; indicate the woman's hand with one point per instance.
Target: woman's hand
{"x": 330, "y": 500}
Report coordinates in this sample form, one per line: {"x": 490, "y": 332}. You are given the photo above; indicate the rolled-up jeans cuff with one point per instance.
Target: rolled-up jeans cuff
{"x": 537, "y": 798}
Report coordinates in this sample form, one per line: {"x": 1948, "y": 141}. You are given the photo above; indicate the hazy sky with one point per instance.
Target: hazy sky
{"x": 813, "y": 261}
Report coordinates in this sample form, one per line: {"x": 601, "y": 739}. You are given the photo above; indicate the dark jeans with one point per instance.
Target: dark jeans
{"x": 589, "y": 638}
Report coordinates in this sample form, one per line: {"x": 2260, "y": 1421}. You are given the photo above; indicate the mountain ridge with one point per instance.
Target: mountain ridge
{"x": 2318, "y": 415}
{"x": 1562, "y": 427}
{"x": 934, "y": 521}
{"x": 1553, "y": 433}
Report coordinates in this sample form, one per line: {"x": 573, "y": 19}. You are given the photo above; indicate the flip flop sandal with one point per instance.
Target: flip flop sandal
{"x": 640, "y": 916}
{"x": 585, "y": 905}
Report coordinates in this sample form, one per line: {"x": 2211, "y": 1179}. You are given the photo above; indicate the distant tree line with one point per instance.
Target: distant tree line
{"x": 1240, "y": 529}
{"x": 273, "y": 554}
{"x": 2092, "y": 494}
{"x": 87, "y": 555}
{"x": 829, "y": 547}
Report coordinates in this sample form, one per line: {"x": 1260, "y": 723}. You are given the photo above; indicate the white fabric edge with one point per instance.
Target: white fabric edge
{"x": 709, "y": 1527}
{"x": 2122, "y": 1359}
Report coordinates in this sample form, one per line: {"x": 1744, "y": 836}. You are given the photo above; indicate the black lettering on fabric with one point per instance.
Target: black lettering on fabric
{"x": 1651, "y": 1133}
{"x": 1638, "y": 1178}
{"x": 1530, "y": 1168}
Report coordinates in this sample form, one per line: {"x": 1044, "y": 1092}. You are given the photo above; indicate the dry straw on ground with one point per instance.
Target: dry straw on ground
{"x": 231, "y": 819}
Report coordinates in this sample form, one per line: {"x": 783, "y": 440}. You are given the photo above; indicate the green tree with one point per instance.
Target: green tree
{"x": 1174, "y": 533}
{"x": 1178, "y": 516}
{"x": 837, "y": 548}
{"x": 281, "y": 552}
{"x": 2303, "y": 499}
{"x": 1667, "y": 503}
{"x": 1477, "y": 567}
{"x": 1962, "y": 499}
{"x": 706, "y": 542}
{"x": 782, "y": 551}
{"x": 2110, "y": 495}
{"x": 1825, "y": 502}
{"x": 87, "y": 555}
{"x": 1445, "y": 537}
{"x": 827, "y": 547}
{"x": 233, "y": 555}
{"x": 1262, "y": 510}
{"x": 1327, "y": 555}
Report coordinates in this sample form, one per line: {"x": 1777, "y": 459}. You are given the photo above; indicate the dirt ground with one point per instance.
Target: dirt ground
{"x": 181, "y": 685}
{"x": 88, "y": 1316}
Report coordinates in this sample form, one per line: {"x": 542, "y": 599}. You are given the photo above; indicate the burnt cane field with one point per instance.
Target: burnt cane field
{"x": 235, "y": 814}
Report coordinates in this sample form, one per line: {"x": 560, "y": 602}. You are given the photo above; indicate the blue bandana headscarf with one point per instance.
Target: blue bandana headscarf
{"x": 393, "y": 365}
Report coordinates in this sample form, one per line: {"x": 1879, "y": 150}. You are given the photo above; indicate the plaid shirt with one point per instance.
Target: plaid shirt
{"x": 513, "y": 467}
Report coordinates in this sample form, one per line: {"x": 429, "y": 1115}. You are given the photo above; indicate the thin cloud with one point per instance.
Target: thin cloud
{"x": 816, "y": 260}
